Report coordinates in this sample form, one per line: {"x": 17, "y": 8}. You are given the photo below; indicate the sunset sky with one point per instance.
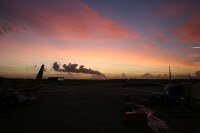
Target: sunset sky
{"x": 111, "y": 36}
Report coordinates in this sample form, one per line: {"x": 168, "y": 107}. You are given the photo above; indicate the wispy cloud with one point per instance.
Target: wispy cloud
{"x": 175, "y": 9}
{"x": 6, "y": 28}
{"x": 193, "y": 59}
{"x": 190, "y": 32}
{"x": 67, "y": 20}
{"x": 74, "y": 31}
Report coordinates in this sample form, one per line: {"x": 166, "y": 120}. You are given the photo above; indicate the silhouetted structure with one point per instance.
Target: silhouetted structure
{"x": 55, "y": 78}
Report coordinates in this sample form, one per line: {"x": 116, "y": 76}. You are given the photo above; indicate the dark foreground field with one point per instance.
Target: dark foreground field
{"x": 89, "y": 108}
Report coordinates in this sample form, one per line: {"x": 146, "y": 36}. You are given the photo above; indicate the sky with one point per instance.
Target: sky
{"x": 105, "y": 37}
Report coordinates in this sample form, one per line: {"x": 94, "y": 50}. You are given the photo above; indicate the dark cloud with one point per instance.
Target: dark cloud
{"x": 5, "y": 28}
{"x": 124, "y": 76}
{"x": 10, "y": 19}
{"x": 74, "y": 69}
{"x": 98, "y": 77}
{"x": 197, "y": 74}
{"x": 56, "y": 66}
{"x": 70, "y": 68}
{"x": 164, "y": 76}
{"x": 8, "y": 27}
{"x": 147, "y": 76}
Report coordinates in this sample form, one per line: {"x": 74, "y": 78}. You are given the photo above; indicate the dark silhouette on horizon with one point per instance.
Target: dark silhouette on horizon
{"x": 73, "y": 68}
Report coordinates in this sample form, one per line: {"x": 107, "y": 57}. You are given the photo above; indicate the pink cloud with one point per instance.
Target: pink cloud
{"x": 6, "y": 28}
{"x": 180, "y": 8}
{"x": 190, "y": 31}
{"x": 70, "y": 20}
{"x": 165, "y": 38}
{"x": 76, "y": 21}
{"x": 176, "y": 9}
{"x": 151, "y": 47}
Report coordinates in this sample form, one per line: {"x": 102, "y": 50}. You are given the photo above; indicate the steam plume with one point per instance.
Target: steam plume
{"x": 74, "y": 68}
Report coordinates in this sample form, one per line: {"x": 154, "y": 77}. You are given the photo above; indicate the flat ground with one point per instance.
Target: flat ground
{"x": 90, "y": 108}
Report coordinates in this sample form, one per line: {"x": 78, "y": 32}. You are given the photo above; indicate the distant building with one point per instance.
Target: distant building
{"x": 56, "y": 78}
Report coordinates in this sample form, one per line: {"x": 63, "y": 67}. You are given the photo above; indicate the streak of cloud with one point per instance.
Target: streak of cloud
{"x": 84, "y": 32}
{"x": 98, "y": 77}
{"x": 5, "y": 28}
{"x": 163, "y": 76}
{"x": 67, "y": 20}
{"x": 190, "y": 31}
{"x": 175, "y": 9}
{"x": 194, "y": 59}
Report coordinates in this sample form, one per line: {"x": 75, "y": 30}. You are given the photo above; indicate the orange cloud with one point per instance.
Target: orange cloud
{"x": 153, "y": 54}
{"x": 145, "y": 55}
{"x": 88, "y": 38}
{"x": 152, "y": 47}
